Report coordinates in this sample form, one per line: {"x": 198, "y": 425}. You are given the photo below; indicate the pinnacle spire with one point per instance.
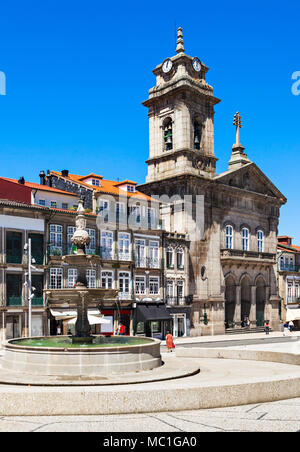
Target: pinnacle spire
{"x": 179, "y": 47}
{"x": 238, "y": 156}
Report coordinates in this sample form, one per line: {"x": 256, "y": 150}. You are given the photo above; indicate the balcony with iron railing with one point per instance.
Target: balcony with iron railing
{"x": 147, "y": 262}
{"x": 282, "y": 267}
{"x": 236, "y": 255}
{"x": 178, "y": 301}
{"x": 293, "y": 300}
{"x": 13, "y": 300}
{"x": 61, "y": 249}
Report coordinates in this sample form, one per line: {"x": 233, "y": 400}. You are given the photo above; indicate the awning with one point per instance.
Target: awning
{"x": 146, "y": 312}
{"x": 292, "y": 314}
{"x": 93, "y": 320}
{"x": 68, "y": 314}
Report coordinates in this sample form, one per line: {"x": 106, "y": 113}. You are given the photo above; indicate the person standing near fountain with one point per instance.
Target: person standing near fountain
{"x": 169, "y": 342}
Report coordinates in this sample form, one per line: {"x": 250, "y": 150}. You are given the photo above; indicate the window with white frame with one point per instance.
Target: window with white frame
{"x": 104, "y": 209}
{"x": 153, "y": 254}
{"x": 229, "y": 237}
{"x": 170, "y": 257}
{"x": 140, "y": 285}
{"x": 180, "y": 289}
{"x": 96, "y": 182}
{"x": 72, "y": 277}
{"x": 170, "y": 288}
{"x": 91, "y": 278}
{"x": 56, "y": 239}
{"x": 91, "y": 249}
{"x": 124, "y": 246}
{"x": 135, "y": 214}
{"x": 260, "y": 241}
{"x": 281, "y": 263}
{"x": 106, "y": 243}
{"x": 56, "y": 278}
{"x": 42, "y": 202}
{"x": 151, "y": 218}
{"x": 131, "y": 188}
{"x": 154, "y": 285}
{"x": 140, "y": 253}
{"x": 124, "y": 284}
{"x": 53, "y": 204}
{"x": 297, "y": 289}
{"x": 180, "y": 258}
{"x": 290, "y": 292}
{"x": 120, "y": 212}
{"x": 70, "y": 233}
{"x": 245, "y": 239}
{"x": 106, "y": 279}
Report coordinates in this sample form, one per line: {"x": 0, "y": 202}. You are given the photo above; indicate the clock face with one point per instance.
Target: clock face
{"x": 197, "y": 64}
{"x": 167, "y": 65}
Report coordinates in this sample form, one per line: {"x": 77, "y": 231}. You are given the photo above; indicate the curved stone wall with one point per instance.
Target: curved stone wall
{"x": 82, "y": 361}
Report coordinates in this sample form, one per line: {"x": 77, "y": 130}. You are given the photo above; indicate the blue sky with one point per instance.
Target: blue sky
{"x": 77, "y": 73}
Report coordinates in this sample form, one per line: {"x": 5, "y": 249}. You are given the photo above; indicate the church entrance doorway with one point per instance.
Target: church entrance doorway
{"x": 245, "y": 300}
{"x": 230, "y": 300}
{"x": 260, "y": 302}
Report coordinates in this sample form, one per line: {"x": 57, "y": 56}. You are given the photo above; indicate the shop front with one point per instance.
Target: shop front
{"x": 180, "y": 321}
{"x": 153, "y": 320}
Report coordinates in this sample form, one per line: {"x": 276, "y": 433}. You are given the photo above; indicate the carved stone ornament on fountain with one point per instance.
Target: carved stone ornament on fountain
{"x": 80, "y": 296}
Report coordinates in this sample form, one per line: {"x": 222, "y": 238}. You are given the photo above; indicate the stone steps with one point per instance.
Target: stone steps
{"x": 258, "y": 329}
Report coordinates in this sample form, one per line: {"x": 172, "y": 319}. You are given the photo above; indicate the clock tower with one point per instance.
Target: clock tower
{"x": 228, "y": 219}
{"x": 181, "y": 119}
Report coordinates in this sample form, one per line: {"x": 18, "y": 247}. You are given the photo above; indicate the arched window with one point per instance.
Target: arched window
{"x": 245, "y": 239}
{"x": 179, "y": 257}
{"x": 229, "y": 237}
{"x": 168, "y": 134}
{"x": 197, "y": 134}
{"x": 260, "y": 241}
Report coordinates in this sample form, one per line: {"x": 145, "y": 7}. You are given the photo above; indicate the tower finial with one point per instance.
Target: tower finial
{"x": 237, "y": 122}
{"x": 179, "y": 48}
{"x": 238, "y": 157}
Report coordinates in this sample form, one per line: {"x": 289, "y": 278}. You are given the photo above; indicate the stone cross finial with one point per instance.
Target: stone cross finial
{"x": 179, "y": 48}
{"x": 237, "y": 122}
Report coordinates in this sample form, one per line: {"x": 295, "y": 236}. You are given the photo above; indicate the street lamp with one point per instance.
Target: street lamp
{"x": 30, "y": 288}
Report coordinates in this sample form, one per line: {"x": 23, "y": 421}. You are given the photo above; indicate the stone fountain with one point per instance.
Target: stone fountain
{"x": 82, "y": 356}
{"x": 80, "y": 296}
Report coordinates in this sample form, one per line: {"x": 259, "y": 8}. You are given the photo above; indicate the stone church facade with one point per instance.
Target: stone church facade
{"x": 231, "y": 218}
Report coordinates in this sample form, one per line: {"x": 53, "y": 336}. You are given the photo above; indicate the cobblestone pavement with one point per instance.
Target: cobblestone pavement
{"x": 283, "y": 416}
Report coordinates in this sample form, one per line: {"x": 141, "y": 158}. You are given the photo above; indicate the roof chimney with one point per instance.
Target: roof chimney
{"x": 65, "y": 173}
{"x": 21, "y": 180}
{"x": 42, "y": 178}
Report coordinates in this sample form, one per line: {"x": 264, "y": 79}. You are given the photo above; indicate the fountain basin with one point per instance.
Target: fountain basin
{"x": 120, "y": 354}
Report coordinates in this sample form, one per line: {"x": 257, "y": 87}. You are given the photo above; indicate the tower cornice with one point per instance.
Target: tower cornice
{"x": 183, "y": 83}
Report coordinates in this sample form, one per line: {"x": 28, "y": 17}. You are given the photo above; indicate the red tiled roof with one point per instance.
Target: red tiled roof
{"x": 41, "y": 187}
{"x": 124, "y": 182}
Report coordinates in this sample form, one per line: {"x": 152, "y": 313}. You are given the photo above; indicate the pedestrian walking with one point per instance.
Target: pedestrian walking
{"x": 122, "y": 330}
{"x": 58, "y": 329}
{"x": 169, "y": 341}
{"x": 285, "y": 328}
{"x": 291, "y": 326}
{"x": 267, "y": 327}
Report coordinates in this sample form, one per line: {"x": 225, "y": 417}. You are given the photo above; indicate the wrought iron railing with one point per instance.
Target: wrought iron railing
{"x": 176, "y": 301}
{"x": 288, "y": 268}
{"x": 293, "y": 299}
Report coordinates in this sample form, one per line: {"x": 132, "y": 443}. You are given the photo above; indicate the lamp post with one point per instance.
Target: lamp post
{"x": 30, "y": 289}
